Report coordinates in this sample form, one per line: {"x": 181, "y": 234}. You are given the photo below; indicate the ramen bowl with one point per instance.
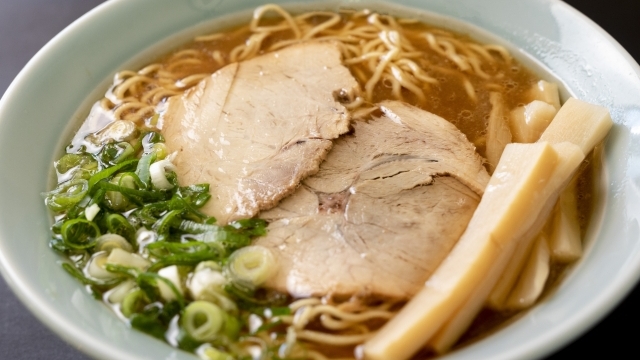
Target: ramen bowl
{"x": 55, "y": 91}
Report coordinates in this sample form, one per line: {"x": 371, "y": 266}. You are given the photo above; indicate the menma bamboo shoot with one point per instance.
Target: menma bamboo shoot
{"x": 569, "y": 158}
{"x": 530, "y": 121}
{"x": 565, "y": 239}
{"x": 509, "y": 276}
{"x": 580, "y": 123}
{"x": 534, "y": 276}
{"x": 545, "y": 91}
{"x": 498, "y": 133}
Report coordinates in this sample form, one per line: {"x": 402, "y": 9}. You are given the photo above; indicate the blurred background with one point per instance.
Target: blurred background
{"x": 26, "y": 25}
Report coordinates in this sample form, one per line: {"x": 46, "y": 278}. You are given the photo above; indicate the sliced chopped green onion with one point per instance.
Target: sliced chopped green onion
{"x": 118, "y": 224}
{"x": 153, "y": 121}
{"x": 230, "y": 237}
{"x": 70, "y": 161}
{"x": 185, "y": 259}
{"x": 251, "y": 266}
{"x": 122, "y": 257}
{"x": 193, "y": 227}
{"x": 116, "y": 153}
{"x": 158, "y": 170}
{"x": 66, "y": 195}
{"x": 277, "y": 311}
{"x": 108, "y": 242}
{"x": 153, "y": 319}
{"x": 268, "y": 325}
{"x": 221, "y": 299}
{"x": 172, "y": 274}
{"x": 254, "y": 301}
{"x": 79, "y": 234}
{"x": 149, "y": 213}
{"x": 203, "y": 320}
{"x": 251, "y": 227}
{"x": 149, "y": 280}
{"x": 151, "y": 138}
{"x": 91, "y": 211}
{"x": 127, "y": 271}
{"x": 133, "y": 303}
{"x": 116, "y": 199}
{"x": 211, "y": 353}
{"x": 130, "y": 180}
{"x": 232, "y": 327}
{"x": 163, "y": 248}
{"x": 75, "y": 166}
{"x": 117, "y": 294}
{"x": 160, "y": 149}
{"x": 143, "y": 168}
{"x": 208, "y": 265}
{"x": 76, "y": 273}
{"x": 195, "y": 195}
{"x": 57, "y": 244}
{"x": 166, "y": 222}
{"x": 133, "y": 194}
{"x": 108, "y": 172}
{"x": 96, "y": 267}
{"x": 206, "y": 283}
{"x": 96, "y": 199}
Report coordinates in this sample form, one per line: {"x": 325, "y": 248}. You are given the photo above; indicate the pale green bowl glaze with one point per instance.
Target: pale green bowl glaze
{"x": 55, "y": 90}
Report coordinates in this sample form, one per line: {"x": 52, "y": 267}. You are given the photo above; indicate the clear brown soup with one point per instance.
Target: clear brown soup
{"x": 447, "y": 99}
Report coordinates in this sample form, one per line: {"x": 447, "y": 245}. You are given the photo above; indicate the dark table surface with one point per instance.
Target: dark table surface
{"x": 26, "y": 25}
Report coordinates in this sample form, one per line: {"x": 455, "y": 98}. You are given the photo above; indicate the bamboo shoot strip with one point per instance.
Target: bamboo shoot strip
{"x": 509, "y": 276}
{"x": 580, "y": 123}
{"x": 565, "y": 241}
{"x": 569, "y": 158}
{"x": 534, "y": 276}
{"x": 547, "y": 92}
{"x": 529, "y": 122}
{"x": 451, "y": 331}
{"x": 498, "y": 133}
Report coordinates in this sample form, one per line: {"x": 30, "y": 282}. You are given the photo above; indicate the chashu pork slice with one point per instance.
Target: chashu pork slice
{"x": 253, "y": 130}
{"x": 386, "y": 207}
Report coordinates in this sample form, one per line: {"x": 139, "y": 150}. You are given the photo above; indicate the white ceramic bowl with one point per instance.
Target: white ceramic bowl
{"x": 55, "y": 90}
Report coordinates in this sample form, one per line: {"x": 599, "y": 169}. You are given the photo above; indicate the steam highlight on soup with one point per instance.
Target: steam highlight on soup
{"x": 334, "y": 162}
